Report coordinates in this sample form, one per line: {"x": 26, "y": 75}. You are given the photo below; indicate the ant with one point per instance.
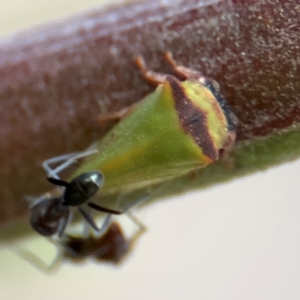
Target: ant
{"x": 50, "y": 215}
{"x": 109, "y": 247}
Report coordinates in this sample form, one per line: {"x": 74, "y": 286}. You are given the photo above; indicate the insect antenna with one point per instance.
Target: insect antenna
{"x": 104, "y": 209}
{"x": 58, "y": 182}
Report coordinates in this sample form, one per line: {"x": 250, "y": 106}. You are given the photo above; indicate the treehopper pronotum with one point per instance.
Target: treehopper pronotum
{"x": 180, "y": 127}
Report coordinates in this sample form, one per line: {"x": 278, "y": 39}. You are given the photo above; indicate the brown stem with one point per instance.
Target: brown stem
{"x": 55, "y": 80}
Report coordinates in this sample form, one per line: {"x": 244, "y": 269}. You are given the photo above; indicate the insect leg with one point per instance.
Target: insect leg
{"x": 54, "y": 160}
{"x": 107, "y": 219}
{"x": 64, "y": 222}
{"x": 88, "y": 218}
{"x": 183, "y": 71}
{"x": 118, "y": 115}
{"x": 35, "y": 261}
{"x": 149, "y": 195}
{"x": 104, "y": 227}
{"x": 33, "y": 201}
{"x": 136, "y": 221}
{"x": 89, "y": 221}
{"x": 68, "y": 158}
{"x": 150, "y": 75}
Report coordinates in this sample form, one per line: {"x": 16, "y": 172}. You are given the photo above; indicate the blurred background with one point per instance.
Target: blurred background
{"x": 239, "y": 240}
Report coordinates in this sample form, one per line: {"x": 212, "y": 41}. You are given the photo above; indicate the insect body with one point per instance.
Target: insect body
{"x": 182, "y": 126}
{"x": 50, "y": 215}
{"x": 111, "y": 247}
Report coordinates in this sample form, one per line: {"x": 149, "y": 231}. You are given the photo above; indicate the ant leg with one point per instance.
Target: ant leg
{"x": 91, "y": 222}
{"x": 68, "y": 158}
{"x": 123, "y": 196}
{"x": 105, "y": 225}
{"x": 133, "y": 218}
{"x": 33, "y": 201}
{"x": 54, "y": 160}
{"x": 56, "y": 262}
{"x": 64, "y": 222}
{"x": 86, "y": 229}
{"x": 35, "y": 261}
{"x": 149, "y": 196}
{"x": 136, "y": 221}
{"x": 150, "y": 75}
{"x": 71, "y": 161}
{"x": 88, "y": 218}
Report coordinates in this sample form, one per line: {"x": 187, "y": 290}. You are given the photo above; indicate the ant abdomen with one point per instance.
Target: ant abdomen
{"x": 49, "y": 216}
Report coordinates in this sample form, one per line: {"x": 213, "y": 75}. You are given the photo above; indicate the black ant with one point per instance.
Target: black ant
{"x": 51, "y": 215}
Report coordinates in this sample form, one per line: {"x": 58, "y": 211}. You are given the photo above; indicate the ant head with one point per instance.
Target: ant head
{"x": 48, "y": 216}
{"x": 82, "y": 188}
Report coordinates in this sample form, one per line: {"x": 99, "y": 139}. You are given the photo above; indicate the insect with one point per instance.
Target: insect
{"x": 111, "y": 247}
{"x": 180, "y": 127}
{"x": 50, "y": 215}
